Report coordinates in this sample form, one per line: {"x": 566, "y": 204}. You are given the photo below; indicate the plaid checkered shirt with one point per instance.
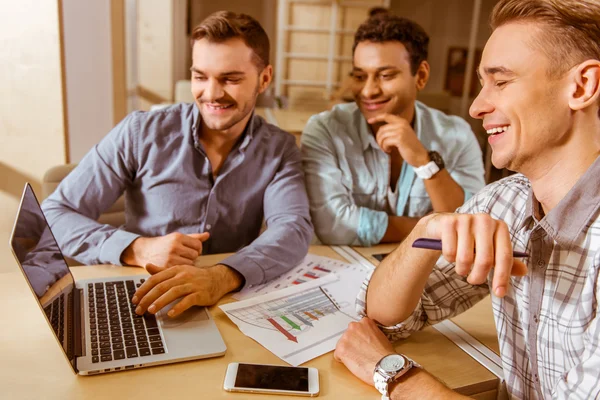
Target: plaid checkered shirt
{"x": 548, "y": 323}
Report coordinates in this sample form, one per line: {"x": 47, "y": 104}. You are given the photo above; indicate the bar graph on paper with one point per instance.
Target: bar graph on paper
{"x": 302, "y": 321}
{"x": 311, "y": 268}
{"x": 291, "y": 316}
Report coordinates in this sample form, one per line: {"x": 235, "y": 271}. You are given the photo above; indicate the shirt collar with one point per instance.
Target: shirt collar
{"x": 368, "y": 139}
{"x": 247, "y": 135}
{"x": 364, "y": 131}
{"x": 565, "y": 222}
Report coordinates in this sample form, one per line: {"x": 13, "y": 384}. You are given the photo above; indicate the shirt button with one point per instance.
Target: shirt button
{"x": 536, "y": 377}
{"x": 540, "y": 263}
{"x": 535, "y": 319}
{"x": 208, "y": 226}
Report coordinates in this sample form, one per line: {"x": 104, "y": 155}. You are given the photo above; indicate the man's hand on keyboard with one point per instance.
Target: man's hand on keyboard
{"x": 194, "y": 286}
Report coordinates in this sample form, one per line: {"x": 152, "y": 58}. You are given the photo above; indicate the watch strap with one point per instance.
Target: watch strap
{"x": 427, "y": 171}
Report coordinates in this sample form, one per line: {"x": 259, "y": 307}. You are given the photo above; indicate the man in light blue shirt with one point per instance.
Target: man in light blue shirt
{"x": 373, "y": 167}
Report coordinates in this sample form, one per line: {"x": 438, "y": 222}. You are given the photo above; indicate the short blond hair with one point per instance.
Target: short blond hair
{"x": 569, "y": 33}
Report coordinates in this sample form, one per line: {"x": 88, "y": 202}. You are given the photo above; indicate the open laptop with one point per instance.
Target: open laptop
{"x": 94, "y": 320}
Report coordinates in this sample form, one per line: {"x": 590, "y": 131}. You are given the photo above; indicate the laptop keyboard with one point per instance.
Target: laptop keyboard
{"x": 117, "y": 332}
{"x": 56, "y": 315}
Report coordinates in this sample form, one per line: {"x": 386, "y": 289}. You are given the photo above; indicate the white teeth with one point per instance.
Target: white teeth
{"x": 498, "y": 130}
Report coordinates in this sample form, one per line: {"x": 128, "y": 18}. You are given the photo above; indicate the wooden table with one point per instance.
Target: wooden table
{"x": 33, "y": 365}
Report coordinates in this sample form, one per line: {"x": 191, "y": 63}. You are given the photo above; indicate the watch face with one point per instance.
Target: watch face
{"x": 437, "y": 159}
{"x": 392, "y": 363}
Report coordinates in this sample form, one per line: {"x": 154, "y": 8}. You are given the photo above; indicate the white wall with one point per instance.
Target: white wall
{"x": 88, "y": 71}
{"x": 448, "y": 23}
{"x": 31, "y": 105}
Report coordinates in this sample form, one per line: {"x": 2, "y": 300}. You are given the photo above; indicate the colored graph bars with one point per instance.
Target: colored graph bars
{"x": 290, "y": 315}
{"x": 315, "y": 272}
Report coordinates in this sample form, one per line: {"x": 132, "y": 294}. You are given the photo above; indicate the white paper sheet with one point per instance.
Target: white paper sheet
{"x": 302, "y": 321}
{"x": 311, "y": 268}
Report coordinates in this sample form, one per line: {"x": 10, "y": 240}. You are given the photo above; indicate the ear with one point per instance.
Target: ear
{"x": 265, "y": 78}
{"x": 586, "y": 85}
{"x": 422, "y": 75}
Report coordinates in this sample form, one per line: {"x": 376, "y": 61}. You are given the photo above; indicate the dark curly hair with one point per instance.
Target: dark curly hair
{"x": 389, "y": 28}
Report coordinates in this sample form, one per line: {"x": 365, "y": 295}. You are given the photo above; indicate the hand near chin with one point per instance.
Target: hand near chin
{"x": 193, "y": 285}
{"x": 361, "y": 347}
{"x": 397, "y": 134}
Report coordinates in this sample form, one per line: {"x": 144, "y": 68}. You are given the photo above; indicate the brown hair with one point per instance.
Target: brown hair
{"x": 378, "y": 11}
{"x": 224, "y": 25}
{"x": 571, "y": 31}
{"x": 390, "y": 28}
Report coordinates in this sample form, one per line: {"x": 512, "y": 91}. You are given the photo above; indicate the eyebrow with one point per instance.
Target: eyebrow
{"x": 228, "y": 73}
{"x": 494, "y": 71}
{"x": 378, "y": 69}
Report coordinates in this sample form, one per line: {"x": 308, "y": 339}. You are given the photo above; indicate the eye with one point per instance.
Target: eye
{"x": 199, "y": 78}
{"x": 358, "y": 77}
{"x": 388, "y": 76}
{"x": 500, "y": 83}
{"x": 233, "y": 81}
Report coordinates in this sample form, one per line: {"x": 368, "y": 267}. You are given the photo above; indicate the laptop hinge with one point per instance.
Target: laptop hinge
{"x": 78, "y": 331}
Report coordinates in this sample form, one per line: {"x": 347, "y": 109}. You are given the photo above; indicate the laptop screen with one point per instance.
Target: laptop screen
{"x": 44, "y": 267}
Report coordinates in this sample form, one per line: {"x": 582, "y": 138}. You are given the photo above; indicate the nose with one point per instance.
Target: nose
{"x": 481, "y": 105}
{"x": 371, "y": 88}
{"x": 213, "y": 90}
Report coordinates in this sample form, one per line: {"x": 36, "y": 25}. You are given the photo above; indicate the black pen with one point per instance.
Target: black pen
{"x": 436, "y": 244}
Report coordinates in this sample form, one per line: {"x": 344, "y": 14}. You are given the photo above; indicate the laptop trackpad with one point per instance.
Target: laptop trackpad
{"x": 190, "y": 315}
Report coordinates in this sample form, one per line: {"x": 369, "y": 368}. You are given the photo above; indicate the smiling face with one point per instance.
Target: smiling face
{"x": 226, "y": 82}
{"x": 382, "y": 79}
{"x": 524, "y": 110}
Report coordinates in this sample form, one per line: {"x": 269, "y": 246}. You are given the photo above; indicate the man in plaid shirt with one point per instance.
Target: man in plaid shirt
{"x": 540, "y": 104}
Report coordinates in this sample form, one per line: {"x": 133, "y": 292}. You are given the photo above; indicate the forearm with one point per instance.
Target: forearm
{"x": 399, "y": 281}
{"x": 84, "y": 239}
{"x": 277, "y": 250}
{"x": 446, "y": 195}
{"x": 419, "y": 384}
{"x": 398, "y": 228}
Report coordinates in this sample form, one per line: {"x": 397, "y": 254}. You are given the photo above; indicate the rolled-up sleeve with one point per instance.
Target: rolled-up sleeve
{"x": 336, "y": 217}
{"x": 289, "y": 230}
{"x": 90, "y": 189}
{"x": 446, "y": 294}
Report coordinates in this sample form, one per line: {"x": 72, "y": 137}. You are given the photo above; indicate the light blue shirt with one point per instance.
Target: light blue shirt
{"x": 347, "y": 174}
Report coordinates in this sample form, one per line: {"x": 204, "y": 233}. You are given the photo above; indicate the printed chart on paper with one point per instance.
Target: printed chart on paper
{"x": 304, "y": 320}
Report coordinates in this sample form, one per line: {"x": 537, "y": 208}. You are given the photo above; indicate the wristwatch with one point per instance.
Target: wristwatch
{"x": 434, "y": 166}
{"x": 389, "y": 369}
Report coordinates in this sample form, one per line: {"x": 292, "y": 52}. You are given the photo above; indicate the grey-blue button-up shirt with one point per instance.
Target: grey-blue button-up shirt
{"x": 157, "y": 160}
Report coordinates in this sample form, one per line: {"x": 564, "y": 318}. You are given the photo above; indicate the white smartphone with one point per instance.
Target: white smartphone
{"x": 272, "y": 379}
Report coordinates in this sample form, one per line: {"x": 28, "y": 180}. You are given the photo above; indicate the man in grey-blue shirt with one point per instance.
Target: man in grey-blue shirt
{"x": 198, "y": 179}
{"x": 373, "y": 167}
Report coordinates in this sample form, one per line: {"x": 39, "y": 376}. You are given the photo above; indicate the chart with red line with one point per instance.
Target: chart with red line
{"x": 304, "y": 320}
{"x": 292, "y": 315}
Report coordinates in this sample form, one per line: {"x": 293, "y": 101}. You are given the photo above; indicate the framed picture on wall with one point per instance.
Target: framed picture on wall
{"x": 456, "y": 64}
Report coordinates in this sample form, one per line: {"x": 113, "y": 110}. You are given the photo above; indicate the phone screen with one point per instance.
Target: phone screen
{"x": 272, "y": 377}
